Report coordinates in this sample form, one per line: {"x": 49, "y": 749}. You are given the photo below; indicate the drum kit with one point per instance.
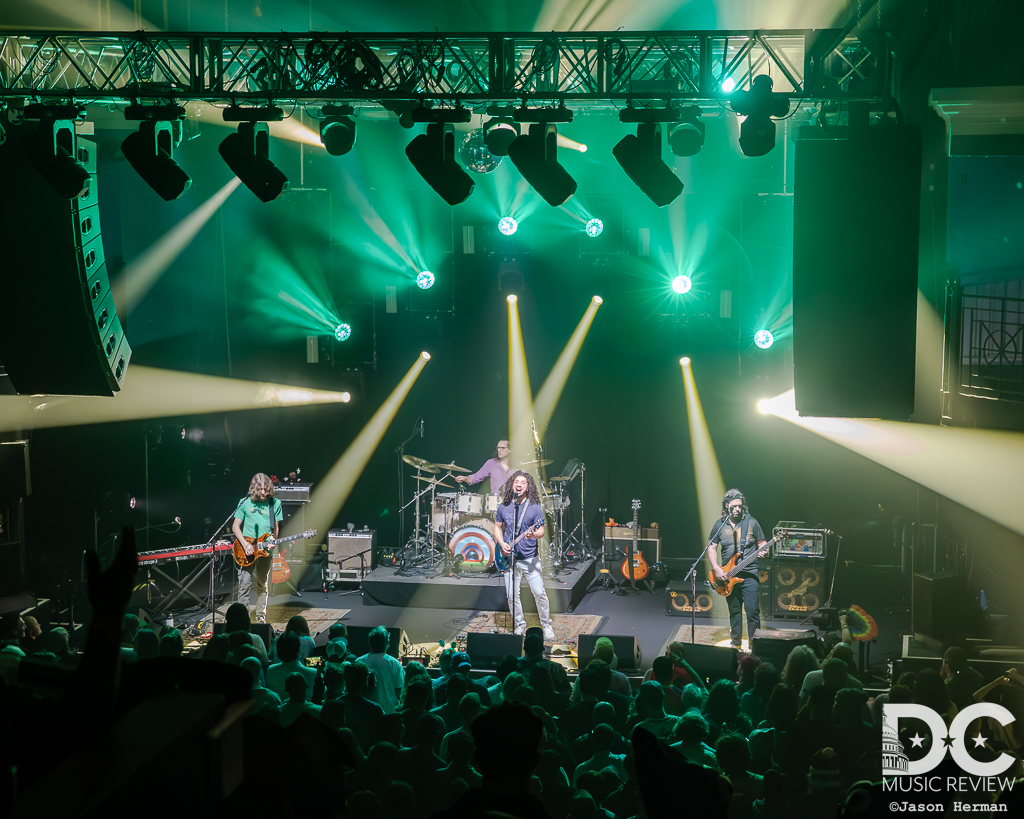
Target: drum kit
{"x": 457, "y": 533}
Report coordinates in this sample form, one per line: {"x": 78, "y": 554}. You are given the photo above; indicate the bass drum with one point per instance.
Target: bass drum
{"x": 473, "y": 546}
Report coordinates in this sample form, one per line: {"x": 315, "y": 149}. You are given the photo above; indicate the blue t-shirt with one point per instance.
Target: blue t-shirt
{"x": 530, "y": 516}
{"x": 255, "y": 516}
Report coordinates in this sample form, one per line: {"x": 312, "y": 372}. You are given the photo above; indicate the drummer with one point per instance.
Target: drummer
{"x": 497, "y": 469}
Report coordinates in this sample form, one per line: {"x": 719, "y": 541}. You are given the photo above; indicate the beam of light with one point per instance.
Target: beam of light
{"x": 520, "y": 396}
{"x": 354, "y": 194}
{"x": 980, "y": 469}
{"x": 141, "y": 274}
{"x": 291, "y": 129}
{"x": 551, "y": 390}
{"x": 290, "y": 303}
{"x": 710, "y": 486}
{"x": 571, "y": 144}
{"x": 334, "y": 488}
{"x": 153, "y": 393}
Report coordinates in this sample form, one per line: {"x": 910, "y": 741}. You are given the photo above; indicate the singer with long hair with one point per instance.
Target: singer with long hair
{"x": 520, "y": 513}
{"x": 738, "y": 531}
{"x": 258, "y": 512}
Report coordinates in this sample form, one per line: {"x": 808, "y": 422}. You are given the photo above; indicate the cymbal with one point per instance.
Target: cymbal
{"x": 560, "y": 478}
{"x": 452, "y": 467}
{"x": 542, "y": 462}
{"x": 435, "y": 481}
{"x": 420, "y": 463}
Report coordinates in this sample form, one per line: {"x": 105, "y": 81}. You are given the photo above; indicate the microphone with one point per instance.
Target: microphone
{"x": 421, "y": 427}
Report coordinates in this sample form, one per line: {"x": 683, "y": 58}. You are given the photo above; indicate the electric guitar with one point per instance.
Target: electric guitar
{"x": 732, "y": 568}
{"x": 280, "y": 571}
{"x": 502, "y": 562}
{"x": 261, "y": 548}
{"x": 635, "y": 566}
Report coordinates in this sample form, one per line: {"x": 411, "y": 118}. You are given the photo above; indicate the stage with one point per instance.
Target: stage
{"x": 392, "y": 586}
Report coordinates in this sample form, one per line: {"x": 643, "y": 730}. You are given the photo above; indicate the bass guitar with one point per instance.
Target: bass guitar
{"x": 635, "y": 566}
{"x": 261, "y": 548}
{"x": 734, "y": 566}
{"x": 502, "y": 562}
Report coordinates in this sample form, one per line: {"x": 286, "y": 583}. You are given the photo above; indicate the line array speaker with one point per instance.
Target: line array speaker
{"x": 59, "y": 330}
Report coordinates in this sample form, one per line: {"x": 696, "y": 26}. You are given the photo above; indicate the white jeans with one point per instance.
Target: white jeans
{"x": 531, "y": 568}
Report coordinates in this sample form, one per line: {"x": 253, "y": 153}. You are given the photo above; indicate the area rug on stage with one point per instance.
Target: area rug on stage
{"x": 317, "y": 619}
{"x": 568, "y": 627}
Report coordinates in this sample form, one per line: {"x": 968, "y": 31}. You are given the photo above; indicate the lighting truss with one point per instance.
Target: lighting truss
{"x": 599, "y": 70}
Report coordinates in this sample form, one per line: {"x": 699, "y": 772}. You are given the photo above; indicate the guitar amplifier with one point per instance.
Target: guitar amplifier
{"x": 799, "y": 587}
{"x": 295, "y": 492}
{"x": 677, "y": 600}
{"x": 648, "y": 541}
{"x": 800, "y": 542}
{"x": 349, "y": 553}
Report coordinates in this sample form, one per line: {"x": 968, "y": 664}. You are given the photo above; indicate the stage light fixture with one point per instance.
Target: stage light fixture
{"x": 686, "y": 137}
{"x": 597, "y": 300}
{"x": 758, "y": 106}
{"x": 433, "y": 156}
{"x": 535, "y": 155}
{"x": 150, "y": 150}
{"x": 338, "y": 129}
{"x": 728, "y": 85}
{"x": 507, "y": 225}
{"x": 512, "y": 298}
{"x": 640, "y": 158}
{"x": 52, "y": 149}
{"x": 594, "y": 228}
{"x": 425, "y": 355}
{"x": 343, "y": 331}
{"x": 681, "y": 284}
{"x": 685, "y": 361}
{"x": 425, "y": 280}
{"x": 499, "y": 133}
{"x": 246, "y": 152}
{"x": 764, "y": 339}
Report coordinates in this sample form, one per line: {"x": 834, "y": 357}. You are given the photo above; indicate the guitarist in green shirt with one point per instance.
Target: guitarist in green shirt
{"x": 257, "y": 514}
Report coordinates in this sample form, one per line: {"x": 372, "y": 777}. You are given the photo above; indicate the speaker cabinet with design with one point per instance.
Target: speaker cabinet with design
{"x": 627, "y": 650}
{"x": 487, "y": 650}
{"x": 359, "y": 641}
{"x": 677, "y": 600}
{"x": 798, "y": 588}
{"x": 59, "y": 330}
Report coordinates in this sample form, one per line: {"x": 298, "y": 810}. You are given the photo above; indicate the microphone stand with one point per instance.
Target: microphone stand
{"x": 400, "y": 451}
{"x": 692, "y": 577}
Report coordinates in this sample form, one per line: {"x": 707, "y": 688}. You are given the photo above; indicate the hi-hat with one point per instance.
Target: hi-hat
{"x": 420, "y": 463}
{"x": 542, "y": 462}
{"x": 452, "y": 467}
{"x": 560, "y": 478}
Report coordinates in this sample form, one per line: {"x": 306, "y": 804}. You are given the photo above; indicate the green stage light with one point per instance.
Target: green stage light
{"x": 507, "y": 225}
{"x": 343, "y": 331}
{"x": 595, "y": 227}
{"x": 425, "y": 280}
{"x": 764, "y": 339}
{"x": 681, "y": 284}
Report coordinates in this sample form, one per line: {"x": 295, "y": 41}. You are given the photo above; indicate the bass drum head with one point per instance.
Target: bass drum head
{"x": 473, "y": 546}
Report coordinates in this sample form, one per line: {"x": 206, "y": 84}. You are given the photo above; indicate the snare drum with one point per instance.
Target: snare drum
{"x": 491, "y": 505}
{"x": 473, "y": 545}
{"x": 552, "y": 504}
{"x": 470, "y": 504}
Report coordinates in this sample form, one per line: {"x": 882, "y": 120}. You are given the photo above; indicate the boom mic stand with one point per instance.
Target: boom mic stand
{"x": 692, "y": 577}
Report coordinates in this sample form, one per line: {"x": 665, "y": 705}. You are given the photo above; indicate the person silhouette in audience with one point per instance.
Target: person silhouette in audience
{"x": 602, "y": 738}
{"x": 236, "y": 618}
{"x": 362, "y": 715}
{"x": 387, "y": 671}
{"x": 298, "y": 700}
{"x": 266, "y": 700}
{"x": 288, "y": 647}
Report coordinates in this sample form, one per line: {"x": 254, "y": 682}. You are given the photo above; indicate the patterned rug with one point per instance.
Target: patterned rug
{"x": 704, "y": 635}
{"x": 318, "y": 619}
{"x": 568, "y": 627}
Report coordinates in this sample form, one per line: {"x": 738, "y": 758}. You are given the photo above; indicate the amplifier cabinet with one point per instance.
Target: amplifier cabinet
{"x": 677, "y": 600}
{"x": 297, "y": 492}
{"x": 798, "y": 587}
{"x": 349, "y": 553}
{"x": 648, "y": 541}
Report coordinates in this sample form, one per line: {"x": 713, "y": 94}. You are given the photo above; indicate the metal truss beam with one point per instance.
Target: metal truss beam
{"x": 595, "y": 70}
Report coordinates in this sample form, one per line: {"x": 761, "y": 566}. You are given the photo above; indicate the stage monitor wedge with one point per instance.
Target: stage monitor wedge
{"x": 855, "y": 260}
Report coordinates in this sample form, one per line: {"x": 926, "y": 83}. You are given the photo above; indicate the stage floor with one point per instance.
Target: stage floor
{"x": 419, "y": 588}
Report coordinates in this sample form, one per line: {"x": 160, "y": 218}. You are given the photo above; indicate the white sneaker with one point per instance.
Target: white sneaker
{"x": 549, "y": 634}
{"x": 519, "y": 631}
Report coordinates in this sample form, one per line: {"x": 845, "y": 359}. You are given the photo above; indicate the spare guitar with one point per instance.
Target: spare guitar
{"x": 280, "y": 571}
{"x": 635, "y": 566}
{"x": 732, "y": 568}
{"x": 503, "y": 561}
{"x": 261, "y": 548}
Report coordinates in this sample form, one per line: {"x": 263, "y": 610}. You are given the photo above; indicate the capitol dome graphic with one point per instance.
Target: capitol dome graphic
{"x": 894, "y": 760}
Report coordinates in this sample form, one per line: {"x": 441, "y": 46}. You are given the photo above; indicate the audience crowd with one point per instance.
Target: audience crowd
{"x": 529, "y": 740}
